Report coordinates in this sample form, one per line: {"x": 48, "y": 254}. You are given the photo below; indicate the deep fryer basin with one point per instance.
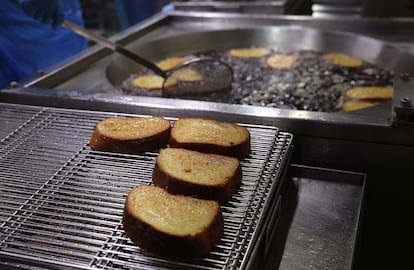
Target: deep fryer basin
{"x": 369, "y": 49}
{"x": 286, "y": 38}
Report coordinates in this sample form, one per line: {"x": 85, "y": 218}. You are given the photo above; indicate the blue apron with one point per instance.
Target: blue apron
{"x": 27, "y": 45}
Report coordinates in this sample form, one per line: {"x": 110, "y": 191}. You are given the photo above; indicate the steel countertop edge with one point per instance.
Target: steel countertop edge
{"x": 341, "y": 126}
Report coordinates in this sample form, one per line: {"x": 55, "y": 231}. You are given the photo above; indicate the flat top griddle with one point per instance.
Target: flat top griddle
{"x": 62, "y": 202}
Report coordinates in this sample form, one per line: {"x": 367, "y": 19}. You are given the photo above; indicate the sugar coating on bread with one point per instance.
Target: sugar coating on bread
{"x": 357, "y": 105}
{"x": 249, "y": 52}
{"x": 153, "y": 82}
{"x": 370, "y": 92}
{"x": 172, "y": 214}
{"x": 132, "y": 128}
{"x": 193, "y": 173}
{"x": 196, "y": 167}
{"x": 171, "y": 63}
{"x": 207, "y": 135}
{"x": 187, "y": 75}
{"x": 170, "y": 224}
{"x": 130, "y": 134}
{"x": 343, "y": 60}
{"x": 281, "y": 61}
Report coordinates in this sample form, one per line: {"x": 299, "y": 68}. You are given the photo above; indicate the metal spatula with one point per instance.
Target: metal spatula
{"x": 215, "y": 74}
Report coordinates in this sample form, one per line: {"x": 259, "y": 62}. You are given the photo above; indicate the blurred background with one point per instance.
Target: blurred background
{"x": 111, "y": 16}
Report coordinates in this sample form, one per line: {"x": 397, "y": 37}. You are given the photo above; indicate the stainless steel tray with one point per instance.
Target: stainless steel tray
{"x": 320, "y": 219}
{"x": 62, "y": 202}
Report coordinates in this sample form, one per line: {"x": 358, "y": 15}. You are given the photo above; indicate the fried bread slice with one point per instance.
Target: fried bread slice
{"x": 356, "y": 105}
{"x": 281, "y": 61}
{"x": 343, "y": 60}
{"x": 211, "y": 136}
{"x": 192, "y": 173}
{"x": 249, "y": 52}
{"x": 130, "y": 134}
{"x": 172, "y": 225}
{"x": 370, "y": 92}
{"x": 187, "y": 75}
{"x": 171, "y": 63}
{"x": 153, "y": 82}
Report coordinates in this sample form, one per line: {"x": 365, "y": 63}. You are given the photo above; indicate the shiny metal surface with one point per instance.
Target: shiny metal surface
{"x": 327, "y": 8}
{"x": 114, "y": 46}
{"x": 403, "y": 103}
{"x": 218, "y": 75}
{"x": 339, "y": 126}
{"x": 255, "y": 7}
{"x": 319, "y": 220}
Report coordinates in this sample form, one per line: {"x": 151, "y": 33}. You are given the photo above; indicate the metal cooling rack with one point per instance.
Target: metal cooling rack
{"x": 61, "y": 202}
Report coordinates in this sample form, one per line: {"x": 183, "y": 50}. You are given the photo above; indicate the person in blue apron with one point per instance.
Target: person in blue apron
{"x": 32, "y": 39}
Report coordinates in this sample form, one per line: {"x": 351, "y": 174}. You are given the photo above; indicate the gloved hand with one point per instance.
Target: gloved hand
{"x": 46, "y": 11}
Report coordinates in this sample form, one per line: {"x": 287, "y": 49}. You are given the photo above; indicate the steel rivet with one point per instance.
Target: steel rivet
{"x": 406, "y": 102}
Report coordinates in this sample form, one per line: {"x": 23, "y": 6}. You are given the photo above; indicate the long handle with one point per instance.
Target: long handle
{"x": 114, "y": 46}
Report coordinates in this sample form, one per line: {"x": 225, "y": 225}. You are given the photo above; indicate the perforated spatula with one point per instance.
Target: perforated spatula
{"x": 215, "y": 75}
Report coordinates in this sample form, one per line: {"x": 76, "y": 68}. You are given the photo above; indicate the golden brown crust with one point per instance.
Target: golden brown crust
{"x": 249, "y": 52}
{"x": 141, "y": 134}
{"x": 281, "y": 61}
{"x": 370, "y": 93}
{"x": 187, "y": 75}
{"x": 211, "y": 136}
{"x": 150, "y": 238}
{"x": 343, "y": 60}
{"x": 171, "y": 63}
{"x": 203, "y": 175}
{"x": 356, "y": 105}
{"x": 153, "y": 82}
